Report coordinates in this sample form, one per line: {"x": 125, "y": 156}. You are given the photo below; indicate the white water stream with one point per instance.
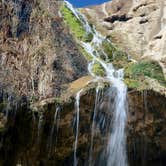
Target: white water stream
{"x": 77, "y": 107}
{"x": 116, "y": 149}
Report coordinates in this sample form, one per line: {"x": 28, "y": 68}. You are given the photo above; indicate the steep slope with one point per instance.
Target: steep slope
{"x": 50, "y": 40}
{"x": 138, "y": 27}
{"x": 38, "y": 54}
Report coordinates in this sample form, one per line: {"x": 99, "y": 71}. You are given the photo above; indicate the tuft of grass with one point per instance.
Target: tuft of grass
{"x": 75, "y": 25}
{"x": 142, "y": 69}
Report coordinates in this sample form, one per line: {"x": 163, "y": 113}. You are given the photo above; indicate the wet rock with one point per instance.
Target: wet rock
{"x": 145, "y": 131}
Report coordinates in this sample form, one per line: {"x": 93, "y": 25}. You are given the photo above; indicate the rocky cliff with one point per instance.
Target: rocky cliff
{"x": 43, "y": 66}
{"x": 138, "y": 27}
{"x": 36, "y": 49}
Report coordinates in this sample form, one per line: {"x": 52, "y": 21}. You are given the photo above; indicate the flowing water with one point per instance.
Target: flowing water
{"x": 116, "y": 148}
{"x": 93, "y": 124}
{"x": 54, "y": 129}
{"x": 77, "y": 107}
{"x": 40, "y": 125}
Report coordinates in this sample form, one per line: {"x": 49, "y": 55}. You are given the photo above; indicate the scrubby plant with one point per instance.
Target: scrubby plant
{"x": 98, "y": 69}
{"x": 115, "y": 55}
{"x": 142, "y": 69}
{"x": 109, "y": 49}
{"x": 75, "y": 25}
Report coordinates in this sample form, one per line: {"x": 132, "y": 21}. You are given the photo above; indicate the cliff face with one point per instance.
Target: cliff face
{"x": 138, "y": 27}
{"x": 46, "y": 137}
{"x": 38, "y": 55}
{"x": 41, "y": 69}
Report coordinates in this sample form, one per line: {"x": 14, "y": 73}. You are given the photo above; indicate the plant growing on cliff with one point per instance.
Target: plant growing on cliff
{"x": 138, "y": 71}
{"x": 118, "y": 58}
{"x": 75, "y": 25}
{"x": 98, "y": 69}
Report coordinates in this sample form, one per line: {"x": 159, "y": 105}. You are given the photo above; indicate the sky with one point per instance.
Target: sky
{"x": 84, "y": 3}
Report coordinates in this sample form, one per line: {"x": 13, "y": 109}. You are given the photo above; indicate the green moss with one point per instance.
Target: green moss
{"x": 86, "y": 55}
{"x": 109, "y": 49}
{"x": 115, "y": 55}
{"x": 132, "y": 83}
{"x": 98, "y": 69}
{"x": 120, "y": 59}
{"x": 75, "y": 25}
{"x": 142, "y": 69}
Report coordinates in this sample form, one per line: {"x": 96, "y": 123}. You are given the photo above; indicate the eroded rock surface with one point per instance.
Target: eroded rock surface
{"x": 47, "y": 141}
{"x": 138, "y": 27}
{"x": 38, "y": 54}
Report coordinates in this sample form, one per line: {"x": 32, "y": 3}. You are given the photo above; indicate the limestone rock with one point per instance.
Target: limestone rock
{"x": 141, "y": 36}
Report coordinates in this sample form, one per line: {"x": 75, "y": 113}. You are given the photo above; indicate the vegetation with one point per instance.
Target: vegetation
{"x": 75, "y": 25}
{"x": 109, "y": 49}
{"x": 98, "y": 69}
{"x": 136, "y": 73}
{"x": 115, "y": 55}
{"x": 86, "y": 55}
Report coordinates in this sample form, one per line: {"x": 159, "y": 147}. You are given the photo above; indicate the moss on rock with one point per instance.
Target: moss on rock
{"x": 98, "y": 69}
{"x": 145, "y": 68}
{"x": 75, "y": 25}
{"x": 85, "y": 53}
{"x": 118, "y": 58}
{"x": 136, "y": 73}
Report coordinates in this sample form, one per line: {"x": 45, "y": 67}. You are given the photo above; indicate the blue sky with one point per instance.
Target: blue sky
{"x": 83, "y": 3}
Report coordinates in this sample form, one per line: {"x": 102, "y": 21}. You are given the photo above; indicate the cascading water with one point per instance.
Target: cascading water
{"x": 93, "y": 123}
{"x": 116, "y": 150}
{"x": 77, "y": 108}
{"x": 40, "y": 123}
{"x": 53, "y": 129}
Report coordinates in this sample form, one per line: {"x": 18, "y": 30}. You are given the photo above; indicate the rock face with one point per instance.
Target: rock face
{"x": 138, "y": 27}
{"x": 38, "y": 55}
{"x": 40, "y": 64}
{"x": 43, "y": 140}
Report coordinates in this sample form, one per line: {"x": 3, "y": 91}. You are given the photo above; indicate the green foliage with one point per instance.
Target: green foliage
{"x": 86, "y": 55}
{"x": 120, "y": 59}
{"x": 75, "y": 25}
{"x": 98, "y": 69}
{"x": 144, "y": 69}
{"x": 109, "y": 49}
{"x": 115, "y": 55}
{"x": 131, "y": 83}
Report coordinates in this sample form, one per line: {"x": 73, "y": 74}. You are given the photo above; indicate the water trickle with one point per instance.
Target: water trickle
{"x": 54, "y": 125}
{"x": 77, "y": 108}
{"x": 116, "y": 151}
{"x": 40, "y": 124}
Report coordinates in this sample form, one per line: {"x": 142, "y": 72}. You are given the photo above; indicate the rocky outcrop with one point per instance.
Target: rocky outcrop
{"x": 38, "y": 54}
{"x": 138, "y": 27}
{"x": 40, "y": 67}
{"x": 46, "y": 137}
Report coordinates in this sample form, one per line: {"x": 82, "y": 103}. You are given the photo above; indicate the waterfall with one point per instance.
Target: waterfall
{"x": 40, "y": 125}
{"x": 116, "y": 148}
{"x": 53, "y": 130}
{"x": 77, "y": 107}
{"x": 93, "y": 123}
